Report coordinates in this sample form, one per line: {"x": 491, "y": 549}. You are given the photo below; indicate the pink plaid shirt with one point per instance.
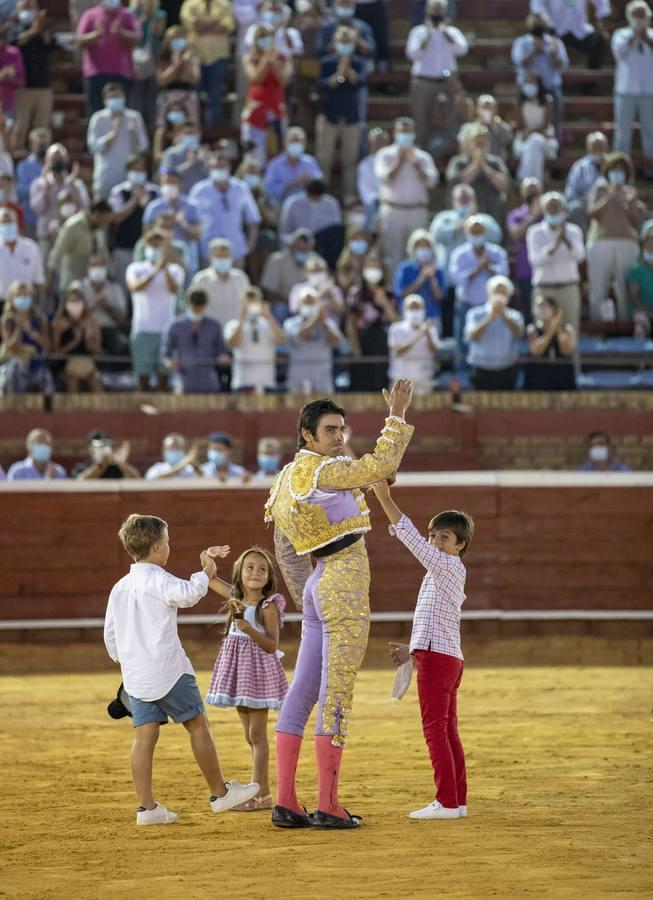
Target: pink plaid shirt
{"x": 436, "y": 625}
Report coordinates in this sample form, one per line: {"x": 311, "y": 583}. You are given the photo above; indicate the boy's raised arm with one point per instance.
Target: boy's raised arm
{"x": 390, "y": 508}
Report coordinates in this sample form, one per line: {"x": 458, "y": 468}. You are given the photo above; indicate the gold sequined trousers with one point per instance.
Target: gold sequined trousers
{"x": 336, "y": 624}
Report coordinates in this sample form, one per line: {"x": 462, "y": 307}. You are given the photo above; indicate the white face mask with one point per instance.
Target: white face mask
{"x": 255, "y": 308}
{"x": 97, "y": 273}
{"x": 373, "y": 276}
{"x": 356, "y": 219}
{"x": 486, "y": 116}
{"x": 415, "y": 316}
{"x": 316, "y": 279}
{"x": 66, "y": 210}
{"x": 599, "y": 453}
{"x": 170, "y": 191}
{"x": 307, "y": 310}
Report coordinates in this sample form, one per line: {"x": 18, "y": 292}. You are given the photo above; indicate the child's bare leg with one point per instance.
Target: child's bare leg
{"x": 258, "y": 733}
{"x": 206, "y": 756}
{"x": 145, "y": 738}
{"x": 243, "y": 713}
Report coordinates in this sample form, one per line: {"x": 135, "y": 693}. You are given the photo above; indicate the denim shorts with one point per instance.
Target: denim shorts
{"x": 182, "y": 702}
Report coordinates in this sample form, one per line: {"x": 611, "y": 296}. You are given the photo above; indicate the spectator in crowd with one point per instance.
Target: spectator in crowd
{"x": 319, "y": 279}
{"x": 169, "y": 130}
{"x": 370, "y": 313}
{"x": 487, "y": 174}
{"x": 555, "y": 250}
{"x": 582, "y": 176}
{"x": 187, "y": 157}
{"x": 253, "y": 339}
{"x": 38, "y": 463}
{"x": 275, "y": 15}
{"x": 34, "y": 101}
{"x": 601, "y": 455}
{"x": 115, "y": 133}
{"x": 194, "y": 346}
{"x": 106, "y": 300}
{"x": 12, "y": 71}
{"x": 434, "y": 48}
{"x": 535, "y": 140}
{"x": 186, "y": 215}
{"x": 518, "y": 222}
{"x": 219, "y": 464}
{"x": 178, "y": 77}
{"x": 223, "y": 283}
{"x": 413, "y": 343}
{"x": 152, "y": 21}
{"x": 81, "y": 236}
{"x": 612, "y": 241}
{"x": 227, "y": 210}
{"x": 250, "y": 171}
{"x": 570, "y": 22}
{"x": 209, "y": 24}
{"x": 373, "y": 12}
{"x": 285, "y": 268}
{"x": 342, "y": 76}
{"x": 6, "y": 127}
{"x": 344, "y": 14}
{"x": 8, "y": 201}
{"x": 312, "y": 208}
{"x": 311, "y": 337}
{"x": 268, "y": 457}
{"x": 76, "y": 337}
{"x": 28, "y": 170}
{"x": 544, "y": 55}
{"x": 405, "y": 175}
{"x": 128, "y": 201}
{"x": 291, "y": 171}
{"x": 268, "y": 73}
{"x": 487, "y": 114}
{"x": 471, "y": 267}
{"x": 367, "y": 184}
{"x": 107, "y": 34}
{"x": 57, "y": 175}
{"x": 639, "y": 280}
{"x": 420, "y": 274}
{"x": 179, "y": 461}
{"x": 448, "y": 226}
{"x": 492, "y": 332}
{"x": 632, "y": 48}
{"x": 154, "y": 284}
{"x": 349, "y": 268}
{"x": 20, "y": 257}
{"x": 103, "y": 461}
{"x": 24, "y": 343}
{"x": 551, "y": 346}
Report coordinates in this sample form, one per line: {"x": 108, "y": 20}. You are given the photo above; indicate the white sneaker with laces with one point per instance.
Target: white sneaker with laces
{"x": 435, "y": 810}
{"x": 236, "y": 793}
{"x": 157, "y": 816}
{"x": 463, "y": 811}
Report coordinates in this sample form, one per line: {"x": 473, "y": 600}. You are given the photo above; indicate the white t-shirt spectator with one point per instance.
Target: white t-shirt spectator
{"x": 161, "y": 469}
{"x": 254, "y": 359}
{"x": 225, "y": 294}
{"x": 418, "y": 363}
{"x": 24, "y": 263}
{"x": 153, "y": 308}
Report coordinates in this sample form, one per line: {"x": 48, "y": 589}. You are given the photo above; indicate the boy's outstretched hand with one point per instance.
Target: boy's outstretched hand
{"x": 222, "y": 551}
{"x": 400, "y": 653}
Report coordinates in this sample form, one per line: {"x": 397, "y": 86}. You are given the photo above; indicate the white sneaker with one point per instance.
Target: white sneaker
{"x": 435, "y": 810}
{"x": 463, "y": 811}
{"x": 157, "y": 816}
{"x": 236, "y": 793}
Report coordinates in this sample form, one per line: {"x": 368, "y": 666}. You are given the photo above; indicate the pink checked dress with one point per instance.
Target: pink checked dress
{"x": 244, "y": 674}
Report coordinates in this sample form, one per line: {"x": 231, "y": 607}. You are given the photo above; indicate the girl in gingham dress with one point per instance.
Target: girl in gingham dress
{"x": 248, "y": 673}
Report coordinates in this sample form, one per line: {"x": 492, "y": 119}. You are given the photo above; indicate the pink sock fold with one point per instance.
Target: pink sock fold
{"x": 329, "y": 760}
{"x": 288, "y": 748}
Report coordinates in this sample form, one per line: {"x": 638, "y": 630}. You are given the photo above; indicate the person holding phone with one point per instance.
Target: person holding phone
{"x": 253, "y": 339}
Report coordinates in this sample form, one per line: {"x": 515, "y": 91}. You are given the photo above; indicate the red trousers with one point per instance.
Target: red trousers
{"x": 438, "y": 679}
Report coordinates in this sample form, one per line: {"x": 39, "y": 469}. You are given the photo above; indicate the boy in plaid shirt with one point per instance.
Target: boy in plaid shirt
{"x": 435, "y": 645}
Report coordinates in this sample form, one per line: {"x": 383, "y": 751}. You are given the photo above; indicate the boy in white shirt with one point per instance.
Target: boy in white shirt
{"x": 140, "y": 633}
{"x": 435, "y": 645}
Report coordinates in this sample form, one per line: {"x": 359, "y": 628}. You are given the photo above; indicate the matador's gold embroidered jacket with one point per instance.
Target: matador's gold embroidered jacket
{"x": 317, "y": 499}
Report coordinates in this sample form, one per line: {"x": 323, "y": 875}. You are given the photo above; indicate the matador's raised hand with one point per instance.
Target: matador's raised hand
{"x": 398, "y": 399}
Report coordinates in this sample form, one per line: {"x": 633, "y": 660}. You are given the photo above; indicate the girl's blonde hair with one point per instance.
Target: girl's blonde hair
{"x": 237, "y": 591}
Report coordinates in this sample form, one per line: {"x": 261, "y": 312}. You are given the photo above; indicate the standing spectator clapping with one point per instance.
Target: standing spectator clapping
{"x": 413, "y": 343}
{"x": 115, "y": 133}
{"x": 194, "y": 346}
{"x": 264, "y": 116}
{"x": 12, "y": 72}
{"x": 209, "y": 24}
{"x": 544, "y": 55}
{"x": 34, "y": 100}
{"x": 492, "y": 332}
{"x": 370, "y": 313}
{"x": 582, "y": 175}
{"x": 570, "y": 21}
{"x": 253, "y": 339}
{"x": 311, "y": 337}
{"x": 632, "y": 48}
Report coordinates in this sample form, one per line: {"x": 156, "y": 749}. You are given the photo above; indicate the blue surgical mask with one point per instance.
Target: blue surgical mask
{"x": 22, "y": 302}
{"x": 136, "y": 177}
{"x": 423, "y": 254}
{"x": 554, "y": 219}
{"x": 405, "y": 138}
{"x": 176, "y": 117}
{"x": 617, "y": 176}
{"x": 344, "y": 12}
{"x": 463, "y": 210}
{"x": 267, "y": 463}
{"x": 173, "y": 456}
{"x": 269, "y": 17}
{"x": 115, "y": 104}
{"x": 264, "y": 42}
{"x": 477, "y": 240}
{"x": 152, "y": 254}
{"x": 647, "y": 256}
{"x": 295, "y": 149}
{"x": 358, "y": 246}
{"x": 111, "y": 4}
{"x": 529, "y": 89}
{"x": 190, "y": 141}
{"x": 41, "y": 452}
{"x": 217, "y": 457}
{"x": 219, "y": 175}
{"x": 178, "y": 44}
{"x": 26, "y": 16}
{"x": 344, "y": 48}
{"x": 8, "y": 231}
{"x": 253, "y": 180}
{"x": 300, "y": 256}
{"x": 222, "y": 263}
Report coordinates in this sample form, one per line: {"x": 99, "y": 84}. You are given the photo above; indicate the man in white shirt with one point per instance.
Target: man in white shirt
{"x": 632, "y": 49}
{"x": 20, "y": 257}
{"x": 412, "y": 343}
{"x": 154, "y": 284}
{"x": 405, "y": 175}
{"x": 223, "y": 284}
{"x": 434, "y": 48}
{"x": 253, "y": 338}
{"x": 178, "y": 461}
{"x": 555, "y": 249}
{"x": 571, "y": 23}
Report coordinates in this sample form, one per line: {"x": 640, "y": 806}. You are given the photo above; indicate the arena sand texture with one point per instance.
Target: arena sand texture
{"x": 560, "y": 770}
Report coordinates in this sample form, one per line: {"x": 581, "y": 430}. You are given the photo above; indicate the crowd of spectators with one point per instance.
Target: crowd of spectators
{"x": 200, "y": 263}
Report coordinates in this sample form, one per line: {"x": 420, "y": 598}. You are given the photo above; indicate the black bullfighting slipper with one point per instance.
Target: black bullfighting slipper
{"x": 283, "y": 817}
{"x": 326, "y": 821}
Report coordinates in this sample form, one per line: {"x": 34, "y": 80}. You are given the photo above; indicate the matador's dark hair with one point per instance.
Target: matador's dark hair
{"x": 310, "y": 415}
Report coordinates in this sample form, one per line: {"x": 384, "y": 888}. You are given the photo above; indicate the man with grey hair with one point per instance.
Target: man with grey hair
{"x": 632, "y": 48}
{"x": 284, "y": 269}
{"x": 20, "y": 257}
{"x": 571, "y": 23}
{"x": 555, "y": 250}
{"x": 492, "y": 332}
{"x": 38, "y": 463}
{"x": 582, "y": 176}
{"x": 447, "y": 227}
{"x": 179, "y": 461}
{"x": 223, "y": 284}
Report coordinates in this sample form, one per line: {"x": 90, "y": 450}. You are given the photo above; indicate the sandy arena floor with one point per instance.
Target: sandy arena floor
{"x": 560, "y": 768}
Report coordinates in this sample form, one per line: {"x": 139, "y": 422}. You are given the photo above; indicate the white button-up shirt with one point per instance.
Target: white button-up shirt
{"x": 153, "y": 307}
{"x": 560, "y": 267}
{"x": 571, "y": 18}
{"x": 438, "y": 57}
{"x": 23, "y": 263}
{"x": 436, "y": 625}
{"x": 366, "y": 180}
{"x": 634, "y": 73}
{"x": 406, "y": 188}
{"x": 140, "y": 628}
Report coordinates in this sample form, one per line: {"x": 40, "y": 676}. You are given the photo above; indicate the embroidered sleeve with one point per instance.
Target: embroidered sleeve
{"x": 295, "y": 569}
{"x": 345, "y": 474}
